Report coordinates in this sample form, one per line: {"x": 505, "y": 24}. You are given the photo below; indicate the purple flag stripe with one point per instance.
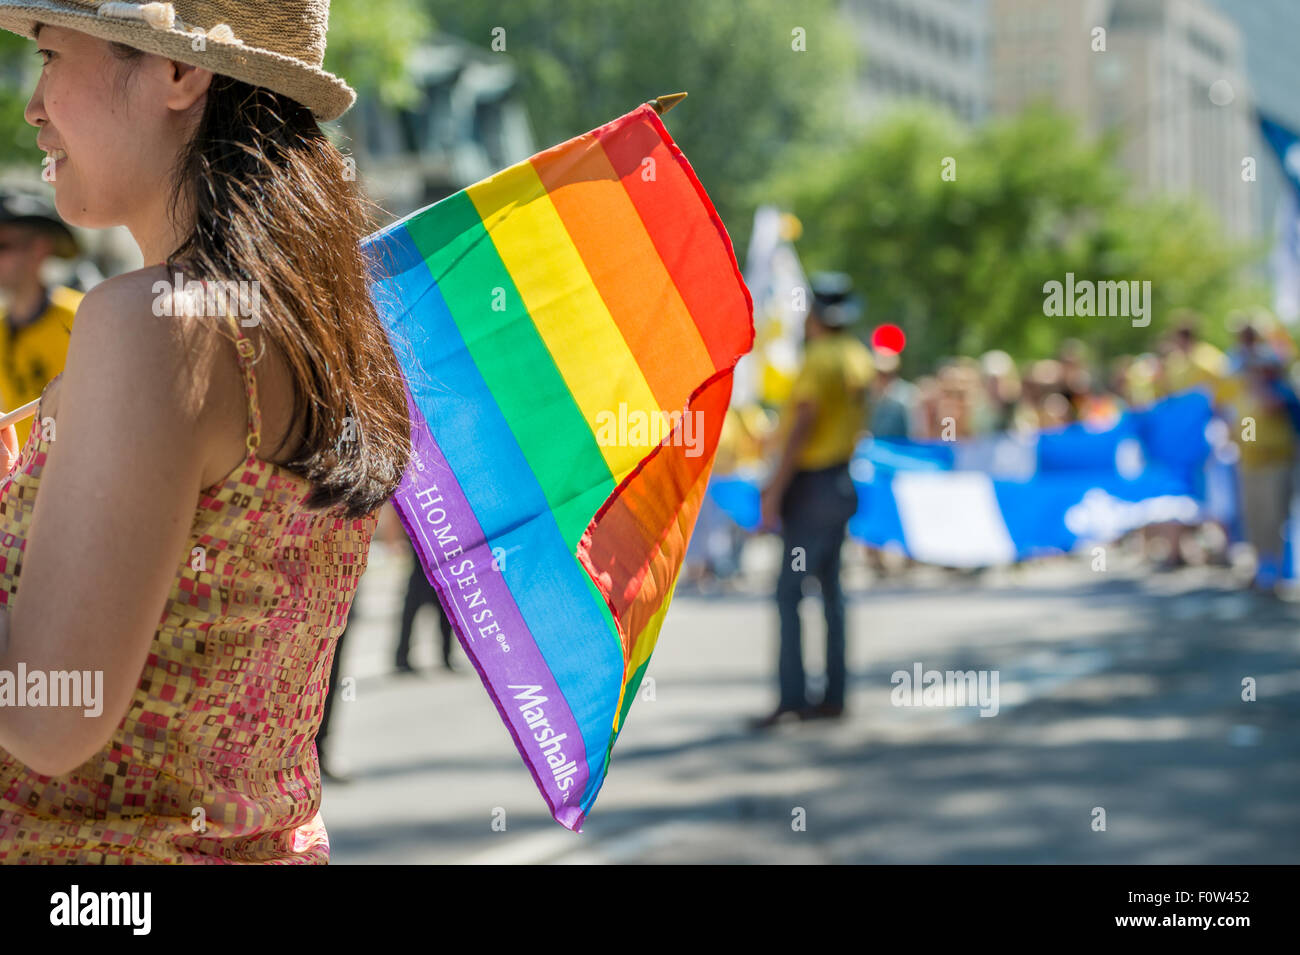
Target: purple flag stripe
{"x": 429, "y": 489}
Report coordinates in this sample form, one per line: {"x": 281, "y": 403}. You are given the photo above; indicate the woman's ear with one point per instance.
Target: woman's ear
{"x": 188, "y": 85}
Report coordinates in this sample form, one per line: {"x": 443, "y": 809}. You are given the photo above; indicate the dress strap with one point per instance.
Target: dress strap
{"x": 244, "y": 346}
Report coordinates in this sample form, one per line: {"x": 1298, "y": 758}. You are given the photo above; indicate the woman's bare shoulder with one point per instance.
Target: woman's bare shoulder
{"x": 135, "y": 297}
{"x": 185, "y": 359}
{"x": 133, "y": 321}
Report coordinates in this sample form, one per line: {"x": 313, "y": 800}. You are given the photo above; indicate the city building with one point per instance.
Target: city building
{"x": 927, "y": 50}
{"x": 1168, "y": 75}
{"x": 1270, "y": 29}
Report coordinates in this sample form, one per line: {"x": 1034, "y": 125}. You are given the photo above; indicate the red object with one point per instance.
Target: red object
{"x": 890, "y": 337}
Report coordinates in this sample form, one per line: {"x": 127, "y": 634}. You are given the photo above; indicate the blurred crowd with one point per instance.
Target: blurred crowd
{"x": 1252, "y": 386}
{"x": 968, "y": 397}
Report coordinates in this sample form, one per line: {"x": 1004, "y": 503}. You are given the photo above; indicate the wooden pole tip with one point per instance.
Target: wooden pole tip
{"x": 663, "y": 104}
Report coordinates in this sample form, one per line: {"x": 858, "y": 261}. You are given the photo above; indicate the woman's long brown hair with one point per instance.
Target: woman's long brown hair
{"x": 272, "y": 202}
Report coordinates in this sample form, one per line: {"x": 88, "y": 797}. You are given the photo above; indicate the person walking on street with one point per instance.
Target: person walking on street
{"x": 811, "y": 492}
{"x": 419, "y": 593}
{"x": 1263, "y": 414}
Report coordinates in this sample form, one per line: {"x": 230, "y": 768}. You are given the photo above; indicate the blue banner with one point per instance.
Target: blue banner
{"x": 1004, "y": 497}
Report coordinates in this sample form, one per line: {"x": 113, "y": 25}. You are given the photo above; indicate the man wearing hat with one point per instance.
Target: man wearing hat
{"x": 36, "y": 320}
{"x": 811, "y": 493}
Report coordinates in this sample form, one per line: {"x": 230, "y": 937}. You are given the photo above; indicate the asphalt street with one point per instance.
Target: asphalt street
{"x": 1119, "y": 691}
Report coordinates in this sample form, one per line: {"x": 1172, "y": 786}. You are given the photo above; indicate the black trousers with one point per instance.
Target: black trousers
{"x": 418, "y": 593}
{"x": 814, "y": 516}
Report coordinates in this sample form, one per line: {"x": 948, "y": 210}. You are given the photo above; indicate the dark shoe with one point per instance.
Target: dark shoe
{"x": 776, "y": 716}
{"x": 404, "y": 669}
{"x": 823, "y": 711}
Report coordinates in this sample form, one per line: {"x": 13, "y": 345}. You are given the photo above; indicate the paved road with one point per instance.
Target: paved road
{"x": 1118, "y": 690}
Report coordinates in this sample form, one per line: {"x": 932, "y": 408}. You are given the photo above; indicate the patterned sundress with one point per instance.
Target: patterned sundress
{"x": 215, "y": 759}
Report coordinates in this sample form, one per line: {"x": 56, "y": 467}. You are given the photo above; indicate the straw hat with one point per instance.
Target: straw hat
{"x": 279, "y": 45}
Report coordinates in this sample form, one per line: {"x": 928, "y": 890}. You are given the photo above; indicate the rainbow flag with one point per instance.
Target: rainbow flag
{"x": 567, "y": 329}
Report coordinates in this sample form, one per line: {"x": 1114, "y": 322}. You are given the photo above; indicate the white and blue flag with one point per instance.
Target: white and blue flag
{"x": 1285, "y": 260}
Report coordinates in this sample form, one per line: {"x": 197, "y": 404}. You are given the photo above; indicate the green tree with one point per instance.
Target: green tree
{"x": 960, "y": 260}
{"x": 371, "y": 43}
{"x": 585, "y": 62}
{"x": 19, "y": 67}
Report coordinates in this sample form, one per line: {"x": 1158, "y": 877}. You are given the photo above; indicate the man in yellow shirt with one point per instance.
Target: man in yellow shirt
{"x": 35, "y": 321}
{"x": 1192, "y": 363}
{"x": 811, "y": 492}
{"x": 1254, "y": 401}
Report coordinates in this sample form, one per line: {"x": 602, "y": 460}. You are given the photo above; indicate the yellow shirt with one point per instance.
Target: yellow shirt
{"x": 31, "y": 356}
{"x": 836, "y": 373}
{"x": 1141, "y": 383}
{"x": 1205, "y": 365}
{"x": 1264, "y": 436}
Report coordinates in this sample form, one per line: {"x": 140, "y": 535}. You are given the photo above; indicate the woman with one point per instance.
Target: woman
{"x": 207, "y": 499}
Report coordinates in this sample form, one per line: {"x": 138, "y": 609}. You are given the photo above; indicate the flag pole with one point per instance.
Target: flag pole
{"x": 662, "y": 104}
{"x": 18, "y": 414}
